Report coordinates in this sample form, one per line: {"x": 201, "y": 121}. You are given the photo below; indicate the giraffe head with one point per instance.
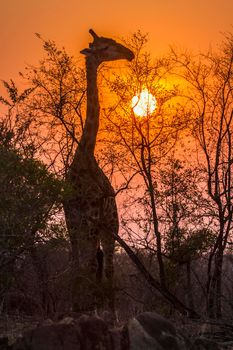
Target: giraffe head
{"x": 104, "y": 49}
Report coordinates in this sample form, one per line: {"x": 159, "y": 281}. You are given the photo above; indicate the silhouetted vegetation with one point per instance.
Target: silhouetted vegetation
{"x": 172, "y": 172}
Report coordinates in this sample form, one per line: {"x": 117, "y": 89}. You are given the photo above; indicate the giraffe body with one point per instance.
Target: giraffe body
{"x": 91, "y": 211}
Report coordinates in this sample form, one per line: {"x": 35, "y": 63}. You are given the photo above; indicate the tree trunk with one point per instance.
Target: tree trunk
{"x": 214, "y": 296}
{"x": 172, "y": 299}
{"x": 158, "y": 238}
{"x": 189, "y": 286}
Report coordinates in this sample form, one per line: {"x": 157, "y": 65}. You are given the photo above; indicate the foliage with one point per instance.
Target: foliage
{"x": 210, "y": 101}
{"x": 28, "y": 194}
{"x": 49, "y": 112}
{"x": 175, "y": 200}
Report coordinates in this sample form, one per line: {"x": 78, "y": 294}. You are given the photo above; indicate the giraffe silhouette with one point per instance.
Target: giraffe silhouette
{"x": 91, "y": 211}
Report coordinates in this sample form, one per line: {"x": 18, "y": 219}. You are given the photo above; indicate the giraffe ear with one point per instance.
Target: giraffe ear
{"x": 86, "y": 52}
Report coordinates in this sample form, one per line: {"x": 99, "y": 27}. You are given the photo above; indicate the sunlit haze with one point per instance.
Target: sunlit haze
{"x": 143, "y": 104}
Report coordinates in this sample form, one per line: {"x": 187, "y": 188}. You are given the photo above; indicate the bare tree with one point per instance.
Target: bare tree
{"x": 49, "y": 111}
{"x": 137, "y": 149}
{"x": 209, "y": 81}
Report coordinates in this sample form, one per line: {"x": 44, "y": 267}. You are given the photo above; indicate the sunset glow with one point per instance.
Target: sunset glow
{"x": 144, "y": 103}
{"x": 116, "y": 174}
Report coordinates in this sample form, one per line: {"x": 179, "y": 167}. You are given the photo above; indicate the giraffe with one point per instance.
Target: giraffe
{"x": 91, "y": 211}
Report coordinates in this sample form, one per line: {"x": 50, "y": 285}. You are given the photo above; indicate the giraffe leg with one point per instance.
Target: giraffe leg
{"x": 100, "y": 264}
{"x": 85, "y": 286}
{"x": 99, "y": 278}
{"x": 108, "y": 245}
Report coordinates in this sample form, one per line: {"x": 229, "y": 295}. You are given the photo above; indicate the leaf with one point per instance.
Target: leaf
{"x": 4, "y": 101}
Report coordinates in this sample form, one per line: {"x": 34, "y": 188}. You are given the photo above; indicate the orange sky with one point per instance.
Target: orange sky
{"x": 187, "y": 23}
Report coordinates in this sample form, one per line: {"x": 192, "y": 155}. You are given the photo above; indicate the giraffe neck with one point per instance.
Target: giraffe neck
{"x": 88, "y": 139}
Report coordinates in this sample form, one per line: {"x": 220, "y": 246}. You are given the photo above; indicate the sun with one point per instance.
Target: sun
{"x": 144, "y": 103}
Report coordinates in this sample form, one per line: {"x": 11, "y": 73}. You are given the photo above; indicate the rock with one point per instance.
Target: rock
{"x": 150, "y": 331}
{"x": 67, "y": 320}
{"x": 95, "y": 333}
{"x": 4, "y": 343}
{"x": 47, "y": 322}
{"x": 202, "y": 343}
{"x": 147, "y": 331}
{"x": 54, "y": 337}
{"x": 139, "y": 339}
{"x": 86, "y": 333}
{"x": 118, "y": 338}
{"x": 109, "y": 318}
